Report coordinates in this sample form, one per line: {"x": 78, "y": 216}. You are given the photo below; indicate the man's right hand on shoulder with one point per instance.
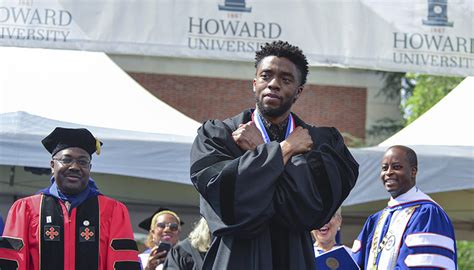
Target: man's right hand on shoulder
{"x": 247, "y": 136}
{"x": 299, "y": 142}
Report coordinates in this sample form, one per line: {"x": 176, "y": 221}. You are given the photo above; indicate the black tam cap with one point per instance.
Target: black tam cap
{"x": 146, "y": 223}
{"x": 62, "y": 138}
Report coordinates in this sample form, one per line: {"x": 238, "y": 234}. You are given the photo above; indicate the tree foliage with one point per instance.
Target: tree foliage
{"x": 427, "y": 92}
{"x": 418, "y": 94}
{"x": 385, "y": 127}
{"x": 394, "y": 82}
{"x": 465, "y": 254}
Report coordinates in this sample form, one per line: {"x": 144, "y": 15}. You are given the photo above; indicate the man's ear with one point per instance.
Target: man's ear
{"x": 51, "y": 164}
{"x": 253, "y": 84}
{"x": 298, "y": 93}
{"x": 414, "y": 170}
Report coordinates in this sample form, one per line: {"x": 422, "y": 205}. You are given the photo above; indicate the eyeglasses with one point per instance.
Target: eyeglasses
{"x": 173, "y": 226}
{"x": 84, "y": 163}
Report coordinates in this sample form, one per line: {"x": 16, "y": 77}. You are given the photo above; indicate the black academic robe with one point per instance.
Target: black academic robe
{"x": 183, "y": 256}
{"x": 259, "y": 210}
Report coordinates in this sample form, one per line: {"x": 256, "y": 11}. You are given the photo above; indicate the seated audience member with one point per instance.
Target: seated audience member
{"x": 189, "y": 253}
{"x": 163, "y": 226}
{"x": 325, "y": 237}
{"x": 413, "y": 231}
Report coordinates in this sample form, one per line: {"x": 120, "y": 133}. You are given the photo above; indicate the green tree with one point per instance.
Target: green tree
{"x": 427, "y": 92}
{"x": 465, "y": 254}
{"x": 394, "y": 82}
{"x": 418, "y": 94}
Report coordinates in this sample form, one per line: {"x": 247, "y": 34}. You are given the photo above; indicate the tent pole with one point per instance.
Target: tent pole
{"x": 12, "y": 176}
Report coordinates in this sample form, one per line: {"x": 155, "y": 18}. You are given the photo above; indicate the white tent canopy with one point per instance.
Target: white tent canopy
{"x": 443, "y": 139}
{"x": 144, "y": 139}
{"x": 86, "y": 88}
{"x": 41, "y": 89}
{"x": 440, "y": 169}
{"x": 449, "y": 122}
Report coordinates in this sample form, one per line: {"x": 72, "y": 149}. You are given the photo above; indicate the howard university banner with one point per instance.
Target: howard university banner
{"x": 428, "y": 36}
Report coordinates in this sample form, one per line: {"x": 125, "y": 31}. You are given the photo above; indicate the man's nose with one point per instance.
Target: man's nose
{"x": 75, "y": 165}
{"x": 274, "y": 83}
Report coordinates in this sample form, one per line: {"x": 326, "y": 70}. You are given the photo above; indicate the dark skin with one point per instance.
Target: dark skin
{"x": 277, "y": 86}
{"x": 71, "y": 179}
{"x": 156, "y": 258}
{"x": 397, "y": 175}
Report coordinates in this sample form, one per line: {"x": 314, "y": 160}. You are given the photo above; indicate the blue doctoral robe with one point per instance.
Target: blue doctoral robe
{"x": 427, "y": 242}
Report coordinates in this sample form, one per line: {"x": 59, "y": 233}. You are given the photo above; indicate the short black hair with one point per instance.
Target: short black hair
{"x": 284, "y": 49}
{"x": 410, "y": 154}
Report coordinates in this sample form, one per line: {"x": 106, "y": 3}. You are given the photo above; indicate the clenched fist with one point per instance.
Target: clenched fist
{"x": 299, "y": 142}
{"x": 247, "y": 136}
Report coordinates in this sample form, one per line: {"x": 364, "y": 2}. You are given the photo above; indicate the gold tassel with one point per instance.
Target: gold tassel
{"x": 97, "y": 146}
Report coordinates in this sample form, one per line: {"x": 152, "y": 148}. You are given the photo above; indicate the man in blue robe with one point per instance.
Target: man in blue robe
{"x": 413, "y": 231}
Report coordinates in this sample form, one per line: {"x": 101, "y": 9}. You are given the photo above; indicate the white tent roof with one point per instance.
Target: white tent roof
{"x": 443, "y": 140}
{"x": 41, "y": 89}
{"x": 449, "y": 122}
{"x": 85, "y": 88}
{"x": 440, "y": 169}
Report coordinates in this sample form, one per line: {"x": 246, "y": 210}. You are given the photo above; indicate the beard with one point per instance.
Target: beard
{"x": 274, "y": 112}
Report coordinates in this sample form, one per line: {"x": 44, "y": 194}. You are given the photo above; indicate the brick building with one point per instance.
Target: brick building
{"x": 206, "y": 89}
{"x": 347, "y": 99}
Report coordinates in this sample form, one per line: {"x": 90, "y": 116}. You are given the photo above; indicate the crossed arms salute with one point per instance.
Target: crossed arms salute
{"x": 248, "y": 137}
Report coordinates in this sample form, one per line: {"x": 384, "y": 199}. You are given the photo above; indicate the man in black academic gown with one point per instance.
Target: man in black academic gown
{"x": 265, "y": 177}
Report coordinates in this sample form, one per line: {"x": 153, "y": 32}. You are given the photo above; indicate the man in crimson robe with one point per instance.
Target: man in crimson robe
{"x": 70, "y": 224}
